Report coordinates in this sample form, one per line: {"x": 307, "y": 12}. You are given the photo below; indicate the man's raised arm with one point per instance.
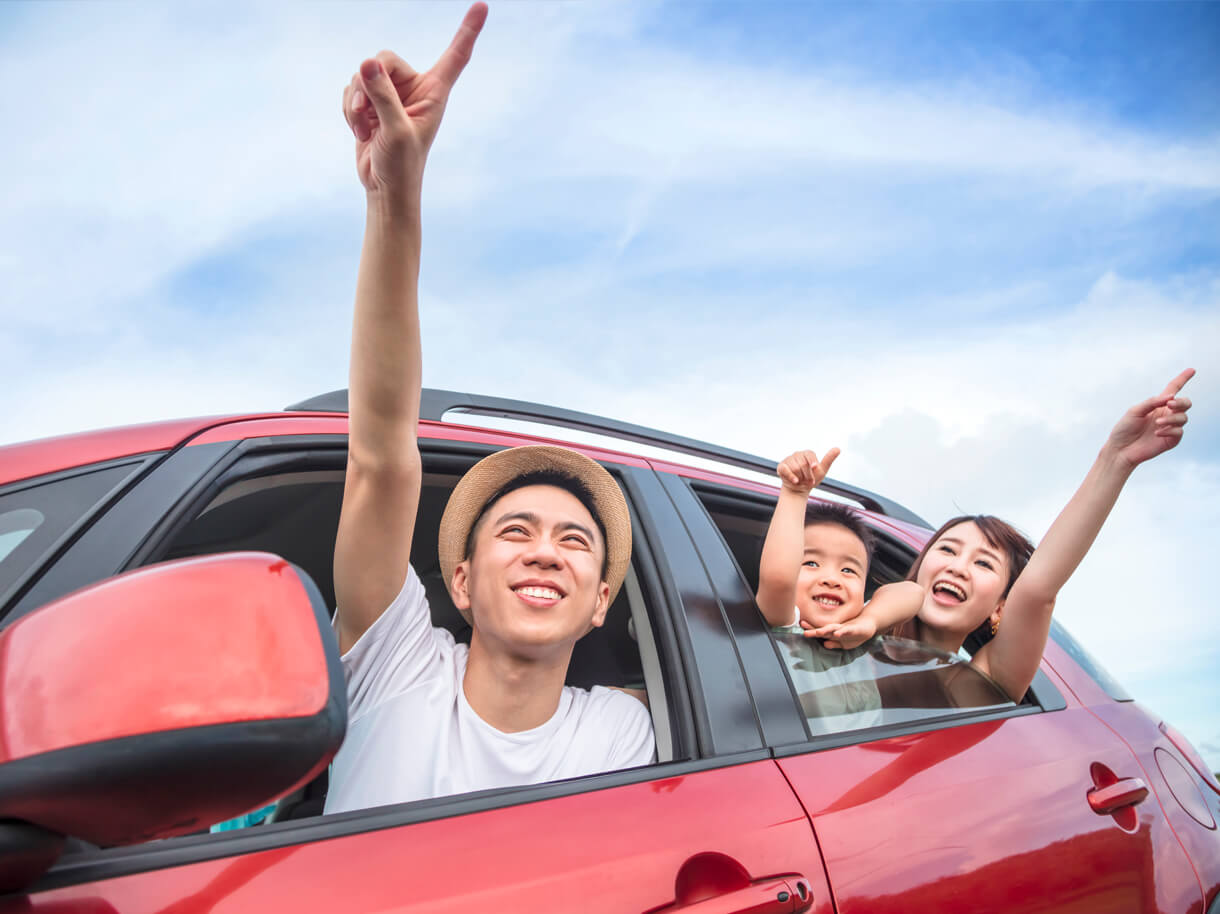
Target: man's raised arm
{"x": 394, "y": 114}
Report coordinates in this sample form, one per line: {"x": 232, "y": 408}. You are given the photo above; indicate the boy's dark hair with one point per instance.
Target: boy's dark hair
{"x": 559, "y": 480}
{"x": 825, "y": 512}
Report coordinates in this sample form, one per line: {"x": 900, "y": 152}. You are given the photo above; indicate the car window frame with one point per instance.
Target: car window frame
{"x": 1044, "y": 696}
{"x": 62, "y": 535}
{"x": 668, "y": 567}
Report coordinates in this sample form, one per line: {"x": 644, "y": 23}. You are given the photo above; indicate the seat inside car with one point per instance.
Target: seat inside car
{"x": 295, "y": 515}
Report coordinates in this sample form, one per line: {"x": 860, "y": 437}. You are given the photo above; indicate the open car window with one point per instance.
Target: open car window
{"x": 293, "y": 512}
{"x": 886, "y": 683}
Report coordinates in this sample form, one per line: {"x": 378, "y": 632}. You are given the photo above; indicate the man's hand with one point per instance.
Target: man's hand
{"x": 842, "y": 635}
{"x": 1151, "y": 428}
{"x": 802, "y": 472}
{"x": 395, "y": 112}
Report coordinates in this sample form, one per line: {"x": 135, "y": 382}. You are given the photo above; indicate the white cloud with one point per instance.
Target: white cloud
{"x": 162, "y": 140}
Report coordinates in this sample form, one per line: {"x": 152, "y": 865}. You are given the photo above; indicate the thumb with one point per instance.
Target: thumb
{"x": 381, "y": 92}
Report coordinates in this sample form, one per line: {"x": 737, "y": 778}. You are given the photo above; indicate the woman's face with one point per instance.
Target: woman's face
{"x": 963, "y": 577}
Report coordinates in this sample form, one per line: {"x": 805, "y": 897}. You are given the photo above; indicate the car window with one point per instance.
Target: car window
{"x": 889, "y": 681}
{"x": 35, "y": 515}
{"x": 15, "y": 526}
{"x": 1088, "y": 663}
{"x": 294, "y": 514}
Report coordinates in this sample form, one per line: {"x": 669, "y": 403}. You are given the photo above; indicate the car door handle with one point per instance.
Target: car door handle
{"x": 788, "y": 895}
{"x": 1127, "y": 792}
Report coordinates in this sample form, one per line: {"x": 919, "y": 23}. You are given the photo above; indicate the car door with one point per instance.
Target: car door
{"x": 714, "y": 823}
{"x": 960, "y": 809}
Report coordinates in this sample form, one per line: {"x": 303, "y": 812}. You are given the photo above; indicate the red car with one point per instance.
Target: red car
{"x": 166, "y": 664}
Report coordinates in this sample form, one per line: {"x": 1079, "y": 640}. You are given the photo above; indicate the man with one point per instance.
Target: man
{"x": 534, "y": 542}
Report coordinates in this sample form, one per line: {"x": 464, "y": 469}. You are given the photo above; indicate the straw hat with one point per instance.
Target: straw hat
{"x": 492, "y": 473}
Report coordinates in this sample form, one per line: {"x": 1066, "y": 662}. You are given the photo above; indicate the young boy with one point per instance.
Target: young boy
{"x": 811, "y": 590}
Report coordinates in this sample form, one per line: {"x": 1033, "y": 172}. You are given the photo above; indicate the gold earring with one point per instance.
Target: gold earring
{"x": 995, "y": 626}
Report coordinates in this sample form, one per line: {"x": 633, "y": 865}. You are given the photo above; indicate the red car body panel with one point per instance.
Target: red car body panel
{"x": 50, "y": 455}
{"x": 616, "y": 850}
{"x": 998, "y": 810}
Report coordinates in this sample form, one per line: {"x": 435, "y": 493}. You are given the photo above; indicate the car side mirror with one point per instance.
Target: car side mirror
{"x": 161, "y": 701}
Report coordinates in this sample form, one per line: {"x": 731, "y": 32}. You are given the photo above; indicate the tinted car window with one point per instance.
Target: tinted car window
{"x": 35, "y": 515}
{"x": 1089, "y": 663}
{"x": 887, "y": 681}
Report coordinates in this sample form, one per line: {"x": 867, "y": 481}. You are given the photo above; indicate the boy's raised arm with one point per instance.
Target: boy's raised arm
{"x": 394, "y": 113}
{"x": 784, "y": 548}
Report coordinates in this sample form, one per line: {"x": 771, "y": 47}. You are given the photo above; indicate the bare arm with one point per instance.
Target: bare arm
{"x": 890, "y": 605}
{"x": 394, "y": 113}
{"x": 784, "y": 548}
{"x": 1148, "y": 429}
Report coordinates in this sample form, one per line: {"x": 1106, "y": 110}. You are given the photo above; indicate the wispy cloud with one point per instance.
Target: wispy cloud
{"x": 961, "y": 277}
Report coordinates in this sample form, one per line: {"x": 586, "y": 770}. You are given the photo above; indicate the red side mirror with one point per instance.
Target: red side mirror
{"x": 168, "y": 698}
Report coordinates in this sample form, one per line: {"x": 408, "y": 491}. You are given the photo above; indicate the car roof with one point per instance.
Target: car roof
{"x": 328, "y": 413}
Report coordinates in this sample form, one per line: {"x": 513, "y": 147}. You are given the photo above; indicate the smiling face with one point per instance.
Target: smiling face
{"x": 964, "y": 577}
{"x": 830, "y": 586}
{"x": 533, "y": 582}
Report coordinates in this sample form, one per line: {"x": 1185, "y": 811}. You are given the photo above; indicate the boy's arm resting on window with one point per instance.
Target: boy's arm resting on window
{"x": 891, "y": 605}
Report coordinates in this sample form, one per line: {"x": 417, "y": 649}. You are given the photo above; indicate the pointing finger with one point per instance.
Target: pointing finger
{"x": 1178, "y": 383}
{"x": 450, "y": 65}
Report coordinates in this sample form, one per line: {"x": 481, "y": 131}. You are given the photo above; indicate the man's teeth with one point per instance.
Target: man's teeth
{"x": 541, "y": 593}
{"x": 952, "y": 589}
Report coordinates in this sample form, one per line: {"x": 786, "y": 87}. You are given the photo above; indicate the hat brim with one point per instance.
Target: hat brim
{"x": 491, "y": 474}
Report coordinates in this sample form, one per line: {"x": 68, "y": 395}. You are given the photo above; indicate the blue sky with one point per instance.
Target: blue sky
{"x": 955, "y": 239}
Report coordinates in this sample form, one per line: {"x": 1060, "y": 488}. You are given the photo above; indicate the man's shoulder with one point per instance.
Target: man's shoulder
{"x": 607, "y": 705}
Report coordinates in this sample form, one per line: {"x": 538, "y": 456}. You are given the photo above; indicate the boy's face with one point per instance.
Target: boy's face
{"x": 830, "y": 587}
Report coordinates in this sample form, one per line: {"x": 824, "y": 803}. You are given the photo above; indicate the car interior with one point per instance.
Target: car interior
{"x": 295, "y": 515}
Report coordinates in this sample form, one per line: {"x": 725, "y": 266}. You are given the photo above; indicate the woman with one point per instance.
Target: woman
{"x": 982, "y": 578}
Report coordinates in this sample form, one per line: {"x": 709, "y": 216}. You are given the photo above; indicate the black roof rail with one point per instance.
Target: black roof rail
{"x": 433, "y": 405}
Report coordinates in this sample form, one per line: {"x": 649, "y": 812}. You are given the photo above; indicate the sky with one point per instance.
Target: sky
{"x": 956, "y": 240}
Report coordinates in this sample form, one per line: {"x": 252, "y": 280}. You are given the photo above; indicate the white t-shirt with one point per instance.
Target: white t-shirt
{"x": 412, "y": 735}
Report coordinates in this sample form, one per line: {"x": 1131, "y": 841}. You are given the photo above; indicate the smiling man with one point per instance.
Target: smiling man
{"x": 534, "y": 542}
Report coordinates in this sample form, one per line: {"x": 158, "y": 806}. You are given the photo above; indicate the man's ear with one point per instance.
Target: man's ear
{"x": 459, "y": 587}
{"x": 603, "y": 605}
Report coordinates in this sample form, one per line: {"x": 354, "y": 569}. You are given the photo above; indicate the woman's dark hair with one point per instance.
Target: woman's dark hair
{"x": 559, "y": 480}
{"x": 999, "y": 535}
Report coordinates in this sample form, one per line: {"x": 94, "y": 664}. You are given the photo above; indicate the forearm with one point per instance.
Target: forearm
{"x": 893, "y": 604}
{"x": 1073, "y": 532}
{"x": 385, "y": 378}
{"x": 782, "y": 553}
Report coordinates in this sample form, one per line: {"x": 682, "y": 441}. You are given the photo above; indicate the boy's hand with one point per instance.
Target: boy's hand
{"x": 395, "y": 112}
{"x": 843, "y": 635}
{"x": 1151, "y": 428}
{"x": 802, "y": 471}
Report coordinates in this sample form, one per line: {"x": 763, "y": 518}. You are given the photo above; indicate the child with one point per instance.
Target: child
{"x": 811, "y": 590}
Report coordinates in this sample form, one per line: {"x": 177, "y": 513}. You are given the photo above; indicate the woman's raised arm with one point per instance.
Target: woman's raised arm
{"x": 1145, "y": 431}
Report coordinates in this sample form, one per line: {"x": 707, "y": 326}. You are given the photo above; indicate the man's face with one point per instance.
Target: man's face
{"x": 533, "y": 583}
